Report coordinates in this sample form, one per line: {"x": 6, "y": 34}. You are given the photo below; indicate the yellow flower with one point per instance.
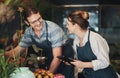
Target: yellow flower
{"x": 20, "y": 9}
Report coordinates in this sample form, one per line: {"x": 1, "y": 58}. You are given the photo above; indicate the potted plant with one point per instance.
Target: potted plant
{"x": 9, "y": 68}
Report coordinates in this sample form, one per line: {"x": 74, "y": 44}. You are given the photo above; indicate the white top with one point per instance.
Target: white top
{"x": 99, "y": 47}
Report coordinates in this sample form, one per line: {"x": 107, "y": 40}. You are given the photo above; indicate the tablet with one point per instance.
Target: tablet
{"x": 66, "y": 59}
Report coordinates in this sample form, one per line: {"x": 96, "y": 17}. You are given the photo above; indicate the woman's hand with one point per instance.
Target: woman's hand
{"x": 78, "y": 64}
{"x": 67, "y": 63}
{"x": 65, "y": 60}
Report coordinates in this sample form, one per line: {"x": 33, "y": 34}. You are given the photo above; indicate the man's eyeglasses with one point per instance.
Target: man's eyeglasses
{"x": 34, "y": 22}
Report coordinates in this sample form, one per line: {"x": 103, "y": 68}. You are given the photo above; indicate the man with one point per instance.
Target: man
{"x": 44, "y": 34}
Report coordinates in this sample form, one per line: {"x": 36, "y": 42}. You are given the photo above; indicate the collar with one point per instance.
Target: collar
{"x": 85, "y": 39}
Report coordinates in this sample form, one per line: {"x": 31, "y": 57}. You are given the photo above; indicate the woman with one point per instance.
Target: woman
{"x": 91, "y": 49}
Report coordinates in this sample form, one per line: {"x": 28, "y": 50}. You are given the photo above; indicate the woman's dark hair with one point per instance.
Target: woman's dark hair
{"x": 79, "y": 17}
{"x": 29, "y": 10}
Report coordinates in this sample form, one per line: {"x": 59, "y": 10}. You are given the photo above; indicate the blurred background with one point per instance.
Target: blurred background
{"x": 104, "y": 19}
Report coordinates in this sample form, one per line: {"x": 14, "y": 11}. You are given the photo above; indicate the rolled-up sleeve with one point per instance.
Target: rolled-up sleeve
{"x": 101, "y": 50}
{"x": 59, "y": 38}
{"x": 26, "y": 40}
{"x": 56, "y": 35}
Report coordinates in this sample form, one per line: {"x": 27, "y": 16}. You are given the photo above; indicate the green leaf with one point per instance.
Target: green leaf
{"x": 7, "y": 2}
{"x": 2, "y": 51}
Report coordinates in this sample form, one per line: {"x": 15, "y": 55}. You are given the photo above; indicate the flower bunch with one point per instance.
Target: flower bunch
{"x": 6, "y": 13}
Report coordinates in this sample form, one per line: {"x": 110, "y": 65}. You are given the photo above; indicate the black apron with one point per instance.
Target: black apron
{"x": 86, "y": 54}
{"x": 46, "y": 50}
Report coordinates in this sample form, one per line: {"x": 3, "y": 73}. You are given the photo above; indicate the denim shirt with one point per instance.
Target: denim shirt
{"x": 55, "y": 35}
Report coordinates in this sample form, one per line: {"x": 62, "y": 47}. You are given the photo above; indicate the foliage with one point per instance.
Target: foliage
{"x": 7, "y": 14}
{"x": 7, "y": 66}
{"x": 37, "y": 59}
{"x": 13, "y": 2}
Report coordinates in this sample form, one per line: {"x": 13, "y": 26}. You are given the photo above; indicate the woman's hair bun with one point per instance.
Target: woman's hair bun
{"x": 85, "y": 15}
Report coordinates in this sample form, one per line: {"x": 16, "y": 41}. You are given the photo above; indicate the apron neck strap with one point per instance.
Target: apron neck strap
{"x": 88, "y": 35}
{"x": 46, "y": 30}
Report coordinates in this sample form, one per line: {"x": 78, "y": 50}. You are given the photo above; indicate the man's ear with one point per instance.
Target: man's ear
{"x": 26, "y": 22}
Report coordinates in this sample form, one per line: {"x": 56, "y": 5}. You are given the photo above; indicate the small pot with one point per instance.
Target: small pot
{"x": 22, "y": 72}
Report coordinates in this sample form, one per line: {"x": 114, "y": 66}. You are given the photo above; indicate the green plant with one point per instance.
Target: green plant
{"x": 36, "y": 60}
{"x": 7, "y": 65}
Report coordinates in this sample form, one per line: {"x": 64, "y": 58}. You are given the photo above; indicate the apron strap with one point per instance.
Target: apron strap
{"x": 46, "y": 31}
{"x": 48, "y": 42}
{"x": 88, "y": 35}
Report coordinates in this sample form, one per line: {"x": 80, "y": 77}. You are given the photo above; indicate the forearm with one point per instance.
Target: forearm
{"x": 87, "y": 65}
{"x": 55, "y": 62}
{"x": 13, "y": 52}
{"x": 54, "y": 65}
{"x": 81, "y": 64}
